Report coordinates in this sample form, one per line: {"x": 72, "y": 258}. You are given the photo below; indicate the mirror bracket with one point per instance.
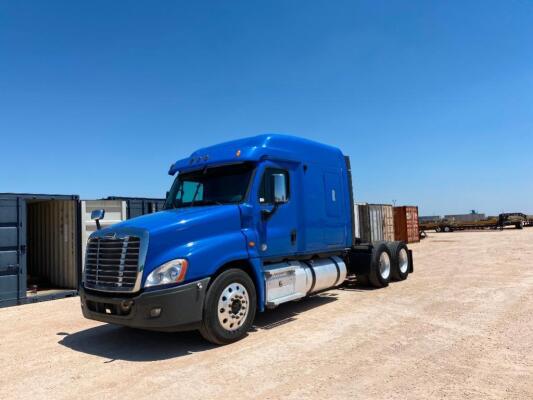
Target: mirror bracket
{"x": 97, "y": 215}
{"x": 266, "y": 213}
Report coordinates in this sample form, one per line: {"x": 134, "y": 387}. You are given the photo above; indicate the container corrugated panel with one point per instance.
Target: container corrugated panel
{"x": 357, "y": 228}
{"x": 137, "y": 206}
{"x": 365, "y": 230}
{"x": 376, "y": 222}
{"x": 115, "y": 212}
{"x": 406, "y": 224}
{"x": 388, "y": 222}
{"x": 12, "y": 260}
{"x": 52, "y": 229}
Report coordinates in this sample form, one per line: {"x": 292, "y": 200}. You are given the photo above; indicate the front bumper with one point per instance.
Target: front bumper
{"x": 181, "y": 307}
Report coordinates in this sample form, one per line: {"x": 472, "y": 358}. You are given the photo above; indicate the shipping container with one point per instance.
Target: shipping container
{"x": 388, "y": 222}
{"x": 115, "y": 212}
{"x": 376, "y": 222}
{"x": 39, "y": 246}
{"x": 357, "y": 228}
{"x": 43, "y": 240}
{"x": 137, "y": 206}
{"x": 376, "y": 219}
{"x": 406, "y": 224}
{"x": 363, "y": 217}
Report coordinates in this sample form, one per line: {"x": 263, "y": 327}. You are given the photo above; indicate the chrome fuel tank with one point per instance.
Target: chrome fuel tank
{"x": 296, "y": 279}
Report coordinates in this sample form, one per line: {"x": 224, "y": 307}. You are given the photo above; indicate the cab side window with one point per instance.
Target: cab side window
{"x": 267, "y": 193}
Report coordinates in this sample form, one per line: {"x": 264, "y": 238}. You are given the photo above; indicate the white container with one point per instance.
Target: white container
{"x": 115, "y": 212}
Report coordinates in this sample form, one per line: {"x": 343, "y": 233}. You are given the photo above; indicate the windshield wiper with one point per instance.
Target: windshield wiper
{"x": 195, "y": 193}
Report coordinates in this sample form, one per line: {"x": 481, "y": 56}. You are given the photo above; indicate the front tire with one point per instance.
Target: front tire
{"x": 229, "y": 307}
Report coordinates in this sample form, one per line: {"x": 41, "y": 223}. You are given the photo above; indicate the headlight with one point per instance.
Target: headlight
{"x": 170, "y": 272}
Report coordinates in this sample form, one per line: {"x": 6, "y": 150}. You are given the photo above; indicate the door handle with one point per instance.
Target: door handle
{"x": 293, "y": 237}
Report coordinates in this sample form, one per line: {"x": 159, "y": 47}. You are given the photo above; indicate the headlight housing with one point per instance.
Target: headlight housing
{"x": 170, "y": 272}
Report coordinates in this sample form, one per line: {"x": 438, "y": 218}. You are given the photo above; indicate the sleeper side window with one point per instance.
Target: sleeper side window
{"x": 267, "y": 190}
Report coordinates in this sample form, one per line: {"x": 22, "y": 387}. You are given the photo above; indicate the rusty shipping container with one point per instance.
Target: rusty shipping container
{"x": 388, "y": 222}
{"x": 376, "y": 222}
{"x": 406, "y": 224}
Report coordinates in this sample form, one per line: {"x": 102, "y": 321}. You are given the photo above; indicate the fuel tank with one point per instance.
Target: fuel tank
{"x": 292, "y": 280}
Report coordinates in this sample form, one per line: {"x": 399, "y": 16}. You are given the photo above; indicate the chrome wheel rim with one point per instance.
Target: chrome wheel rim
{"x": 384, "y": 265}
{"x": 233, "y": 306}
{"x": 403, "y": 261}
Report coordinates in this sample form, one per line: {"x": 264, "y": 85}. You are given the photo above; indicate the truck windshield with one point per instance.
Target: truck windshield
{"x": 211, "y": 186}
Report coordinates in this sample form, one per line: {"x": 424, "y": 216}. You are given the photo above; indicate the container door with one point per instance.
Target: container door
{"x": 135, "y": 208}
{"x": 388, "y": 223}
{"x": 365, "y": 227}
{"x": 357, "y": 232}
{"x": 12, "y": 251}
{"x": 376, "y": 222}
{"x": 412, "y": 224}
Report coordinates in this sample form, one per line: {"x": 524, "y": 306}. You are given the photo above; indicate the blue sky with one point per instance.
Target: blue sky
{"x": 432, "y": 100}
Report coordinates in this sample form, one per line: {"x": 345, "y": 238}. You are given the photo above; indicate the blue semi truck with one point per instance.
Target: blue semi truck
{"x": 248, "y": 224}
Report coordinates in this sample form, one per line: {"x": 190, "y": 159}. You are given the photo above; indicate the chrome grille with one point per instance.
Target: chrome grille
{"x": 112, "y": 263}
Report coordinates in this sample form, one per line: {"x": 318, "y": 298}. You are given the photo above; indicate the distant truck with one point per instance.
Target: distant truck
{"x": 248, "y": 225}
{"x": 518, "y": 220}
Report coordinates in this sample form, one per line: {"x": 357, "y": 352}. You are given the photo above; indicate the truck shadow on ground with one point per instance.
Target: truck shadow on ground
{"x": 119, "y": 343}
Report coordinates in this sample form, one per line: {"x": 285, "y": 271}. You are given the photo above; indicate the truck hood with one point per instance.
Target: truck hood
{"x": 180, "y": 233}
{"x": 177, "y": 219}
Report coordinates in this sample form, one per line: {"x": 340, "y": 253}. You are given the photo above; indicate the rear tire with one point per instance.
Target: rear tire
{"x": 399, "y": 261}
{"x": 519, "y": 225}
{"x": 380, "y": 268}
{"x": 229, "y": 307}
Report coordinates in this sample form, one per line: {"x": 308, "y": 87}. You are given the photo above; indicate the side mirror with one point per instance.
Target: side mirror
{"x": 97, "y": 215}
{"x": 280, "y": 188}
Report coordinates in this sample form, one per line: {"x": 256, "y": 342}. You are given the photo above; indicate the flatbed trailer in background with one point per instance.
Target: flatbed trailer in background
{"x": 518, "y": 220}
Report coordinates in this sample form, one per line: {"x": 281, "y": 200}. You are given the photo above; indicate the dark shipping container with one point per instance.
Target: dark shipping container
{"x": 39, "y": 246}
{"x": 137, "y": 206}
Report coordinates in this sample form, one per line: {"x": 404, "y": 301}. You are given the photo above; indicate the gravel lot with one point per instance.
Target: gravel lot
{"x": 461, "y": 327}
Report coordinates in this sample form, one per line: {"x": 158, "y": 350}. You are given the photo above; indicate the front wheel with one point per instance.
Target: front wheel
{"x": 229, "y": 308}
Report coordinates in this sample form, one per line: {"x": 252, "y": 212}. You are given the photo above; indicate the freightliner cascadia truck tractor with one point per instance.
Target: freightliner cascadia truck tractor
{"x": 248, "y": 225}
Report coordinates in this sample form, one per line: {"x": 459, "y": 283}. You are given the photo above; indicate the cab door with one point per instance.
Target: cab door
{"x": 278, "y": 221}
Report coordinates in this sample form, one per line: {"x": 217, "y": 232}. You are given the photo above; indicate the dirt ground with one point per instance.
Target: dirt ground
{"x": 460, "y": 327}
